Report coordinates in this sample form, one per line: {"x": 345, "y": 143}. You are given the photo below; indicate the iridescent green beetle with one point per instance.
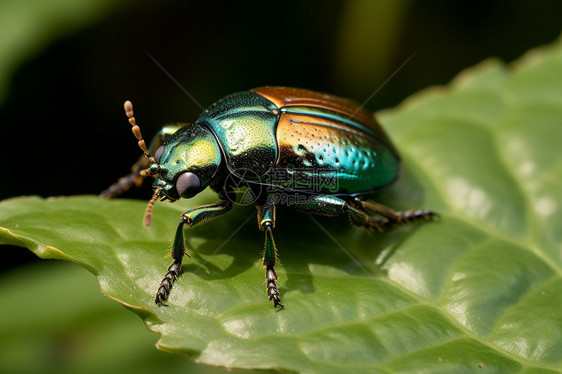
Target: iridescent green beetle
{"x": 316, "y": 152}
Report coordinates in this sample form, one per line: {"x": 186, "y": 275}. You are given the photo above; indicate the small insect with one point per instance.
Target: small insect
{"x": 318, "y": 153}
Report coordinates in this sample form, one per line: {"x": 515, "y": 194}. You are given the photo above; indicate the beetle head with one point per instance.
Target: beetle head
{"x": 184, "y": 165}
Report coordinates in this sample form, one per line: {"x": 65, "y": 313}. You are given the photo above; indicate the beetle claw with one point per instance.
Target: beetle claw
{"x": 276, "y": 302}
{"x": 159, "y": 301}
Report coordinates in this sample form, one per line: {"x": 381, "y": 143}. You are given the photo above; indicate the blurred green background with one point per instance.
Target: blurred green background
{"x": 66, "y": 66}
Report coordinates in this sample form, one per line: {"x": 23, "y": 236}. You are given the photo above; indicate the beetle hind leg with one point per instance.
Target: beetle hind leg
{"x": 390, "y": 217}
{"x": 358, "y": 212}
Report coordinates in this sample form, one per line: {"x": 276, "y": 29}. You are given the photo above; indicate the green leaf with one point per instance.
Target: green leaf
{"x": 41, "y": 320}
{"x": 480, "y": 286}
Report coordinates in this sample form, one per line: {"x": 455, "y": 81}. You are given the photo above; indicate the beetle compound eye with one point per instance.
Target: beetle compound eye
{"x": 188, "y": 185}
{"x": 158, "y": 153}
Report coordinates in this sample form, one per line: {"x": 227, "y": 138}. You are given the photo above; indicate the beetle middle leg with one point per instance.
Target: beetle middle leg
{"x": 266, "y": 222}
{"x": 192, "y": 217}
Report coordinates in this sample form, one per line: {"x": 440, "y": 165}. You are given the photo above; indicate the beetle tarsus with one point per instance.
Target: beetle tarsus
{"x": 418, "y": 215}
{"x": 410, "y": 216}
{"x": 167, "y": 283}
{"x": 272, "y": 289}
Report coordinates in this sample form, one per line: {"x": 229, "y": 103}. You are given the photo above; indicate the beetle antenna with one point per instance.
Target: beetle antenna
{"x": 136, "y": 130}
{"x": 148, "y": 211}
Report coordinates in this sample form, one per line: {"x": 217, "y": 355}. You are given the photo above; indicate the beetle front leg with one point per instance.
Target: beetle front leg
{"x": 193, "y": 217}
{"x": 266, "y": 222}
{"x": 178, "y": 251}
{"x": 135, "y": 179}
